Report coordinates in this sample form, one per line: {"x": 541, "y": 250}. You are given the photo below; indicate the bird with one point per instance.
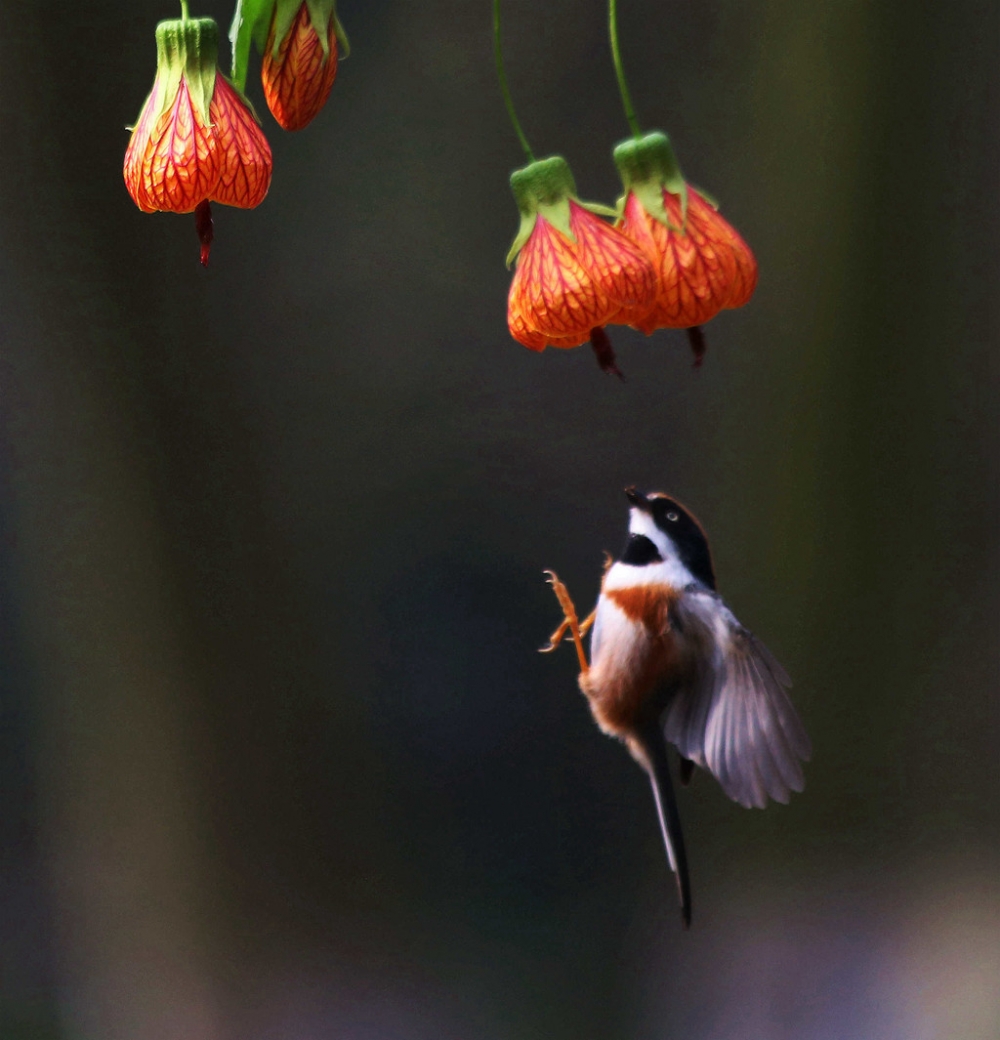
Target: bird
{"x": 671, "y": 664}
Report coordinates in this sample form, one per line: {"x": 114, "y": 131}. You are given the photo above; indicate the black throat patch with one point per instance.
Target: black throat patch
{"x": 639, "y": 551}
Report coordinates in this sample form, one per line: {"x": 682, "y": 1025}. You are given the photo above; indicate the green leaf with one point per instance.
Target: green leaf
{"x": 250, "y": 22}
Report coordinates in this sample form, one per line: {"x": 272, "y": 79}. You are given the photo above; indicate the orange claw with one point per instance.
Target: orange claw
{"x": 555, "y": 639}
{"x": 569, "y": 610}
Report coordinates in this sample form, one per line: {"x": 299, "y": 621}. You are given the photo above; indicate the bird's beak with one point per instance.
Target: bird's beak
{"x": 637, "y": 499}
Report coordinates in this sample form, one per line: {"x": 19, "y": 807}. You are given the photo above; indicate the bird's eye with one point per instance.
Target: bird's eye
{"x": 671, "y": 516}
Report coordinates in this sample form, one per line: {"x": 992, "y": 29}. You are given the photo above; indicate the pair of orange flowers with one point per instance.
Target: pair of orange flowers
{"x": 197, "y": 139}
{"x": 670, "y": 260}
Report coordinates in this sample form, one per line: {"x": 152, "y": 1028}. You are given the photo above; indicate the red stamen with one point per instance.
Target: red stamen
{"x": 203, "y": 225}
{"x": 604, "y": 352}
{"x": 696, "y": 337}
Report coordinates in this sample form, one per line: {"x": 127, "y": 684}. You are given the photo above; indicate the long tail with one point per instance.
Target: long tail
{"x": 670, "y": 822}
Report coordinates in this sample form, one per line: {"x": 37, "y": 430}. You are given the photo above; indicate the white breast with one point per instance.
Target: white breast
{"x": 669, "y": 571}
{"x": 616, "y": 639}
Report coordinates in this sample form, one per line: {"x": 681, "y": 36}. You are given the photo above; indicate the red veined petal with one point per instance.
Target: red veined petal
{"x": 696, "y": 266}
{"x": 524, "y": 335}
{"x": 245, "y": 155}
{"x": 172, "y": 162}
{"x": 553, "y": 288}
{"x": 746, "y": 264}
{"x": 137, "y": 145}
{"x": 619, "y": 267}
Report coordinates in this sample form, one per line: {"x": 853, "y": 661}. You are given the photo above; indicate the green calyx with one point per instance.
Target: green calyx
{"x": 648, "y": 166}
{"x": 545, "y": 187}
{"x": 542, "y": 184}
{"x": 322, "y": 14}
{"x": 187, "y": 49}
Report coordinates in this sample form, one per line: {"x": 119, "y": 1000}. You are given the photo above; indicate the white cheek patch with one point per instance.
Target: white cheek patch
{"x": 640, "y": 522}
{"x": 671, "y": 570}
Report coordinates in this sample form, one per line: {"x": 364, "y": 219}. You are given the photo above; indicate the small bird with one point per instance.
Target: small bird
{"x": 669, "y": 663}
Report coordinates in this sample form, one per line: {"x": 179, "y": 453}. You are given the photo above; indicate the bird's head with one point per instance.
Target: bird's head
{"x": 660, "y": 528}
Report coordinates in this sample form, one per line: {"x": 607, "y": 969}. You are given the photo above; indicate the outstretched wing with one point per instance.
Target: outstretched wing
{"x": 736, "y": 720}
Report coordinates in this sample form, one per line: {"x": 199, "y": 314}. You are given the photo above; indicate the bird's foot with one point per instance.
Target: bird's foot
{"x": 570, "y": 622}
{"x": 557, "y": 637}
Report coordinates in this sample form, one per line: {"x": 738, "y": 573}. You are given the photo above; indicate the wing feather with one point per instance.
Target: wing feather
{"x": 736, "y": 719}
{"x": 779, "y": 765}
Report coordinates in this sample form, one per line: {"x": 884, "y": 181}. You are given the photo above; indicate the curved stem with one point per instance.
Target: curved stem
{"x": 616, "y": 57}
{"x": 504, "y": 89}
{"x": 184, "y": 10}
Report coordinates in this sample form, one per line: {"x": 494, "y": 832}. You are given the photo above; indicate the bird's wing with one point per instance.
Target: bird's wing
{"x": 736, "y": 720}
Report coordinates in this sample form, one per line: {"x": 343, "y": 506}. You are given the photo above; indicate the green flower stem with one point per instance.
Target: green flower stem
{"x": 616, "y": 56}
{"x": 504, "y": 89}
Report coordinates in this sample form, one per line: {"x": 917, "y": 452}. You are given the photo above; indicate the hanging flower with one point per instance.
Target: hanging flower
{"x": 702, "y": 263}
{"x": 196, "y": 140}
{"x": 300, "y": 59}
{"x": 575, "y": 273}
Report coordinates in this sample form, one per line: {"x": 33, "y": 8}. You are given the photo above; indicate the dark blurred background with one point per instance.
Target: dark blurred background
{"x": 278, "y": 757}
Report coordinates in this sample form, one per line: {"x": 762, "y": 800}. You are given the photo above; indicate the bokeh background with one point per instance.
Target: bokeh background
{"x": 278, "y": 757}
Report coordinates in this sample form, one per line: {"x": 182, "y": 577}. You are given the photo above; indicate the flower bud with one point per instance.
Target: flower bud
{"x": 300, "y": 59}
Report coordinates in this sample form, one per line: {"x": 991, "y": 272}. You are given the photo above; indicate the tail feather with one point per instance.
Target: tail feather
{"x": 670, "y": 821}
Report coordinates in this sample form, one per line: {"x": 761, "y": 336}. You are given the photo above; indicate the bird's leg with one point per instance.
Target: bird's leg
{"x": 570, "y": 622}
{"x": 557, "y": 637}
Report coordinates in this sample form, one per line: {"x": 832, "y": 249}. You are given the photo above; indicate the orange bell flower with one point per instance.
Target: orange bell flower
{"x": 702, "y": 263}
{"x": 575, "y": 273}
{"x": 196, "y": 140}
{"x": 300, "y": 59}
